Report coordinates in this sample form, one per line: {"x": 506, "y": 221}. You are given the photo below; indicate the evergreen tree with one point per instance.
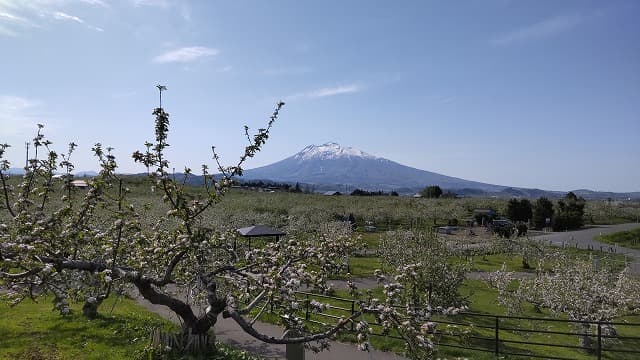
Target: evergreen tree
{"x": 542, "y": 210}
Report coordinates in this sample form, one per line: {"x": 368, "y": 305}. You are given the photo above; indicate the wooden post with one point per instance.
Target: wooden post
{"x": 497, "y": 344}
{"x": 293, "y": 351}
{"x": 599, "y": 341}
{"x": 353, "y": 310}
{"x": 307, "y": 304}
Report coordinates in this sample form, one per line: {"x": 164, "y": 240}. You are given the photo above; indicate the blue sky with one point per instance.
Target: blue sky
{"x": 539, "y": 94}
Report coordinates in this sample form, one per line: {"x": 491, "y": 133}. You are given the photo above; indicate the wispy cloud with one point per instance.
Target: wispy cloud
{"x": 327, "y": 92}
{"x": 324, "y": 92}
{"x": 11, "y": 24}
{"x": 59, "y": 15}
{"x": 225, "y": 69}
{"x": 10, "y": 17}
{"x": 186, "y": 55}
{"x": 542, "y": 29}
{"x": 17, "y": 17}
{"x": 17, "y": 115}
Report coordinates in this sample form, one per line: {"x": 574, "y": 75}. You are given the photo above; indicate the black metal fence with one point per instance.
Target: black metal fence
{"x": 513, "y": 336}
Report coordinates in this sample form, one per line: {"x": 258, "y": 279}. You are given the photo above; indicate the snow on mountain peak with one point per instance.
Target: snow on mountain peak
{"x": 330, "y": 151}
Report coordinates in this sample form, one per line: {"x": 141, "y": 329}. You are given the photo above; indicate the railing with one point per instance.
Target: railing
{"x": 505, "y": 335}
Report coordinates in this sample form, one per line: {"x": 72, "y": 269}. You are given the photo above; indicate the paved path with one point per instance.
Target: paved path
{"x": 587, "y": 238}
{"x": 229, "y": 332}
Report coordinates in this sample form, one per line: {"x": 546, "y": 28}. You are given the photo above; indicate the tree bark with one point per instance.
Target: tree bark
{"x": 191, "y": 323}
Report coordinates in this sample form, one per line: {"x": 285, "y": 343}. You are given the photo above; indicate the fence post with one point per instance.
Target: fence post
{"x": 497, "y": 349}
{"x": 293, "y": 351}
{"x": 353, "y": 310}
{"x": 306, "y": 305}
{"x": 599, "y": 341}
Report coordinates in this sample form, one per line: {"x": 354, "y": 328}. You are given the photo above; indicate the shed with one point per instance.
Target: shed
{"x": 259, "y": 231}
{"x": 332, "y": 193}
{"x": 79, "y": 184}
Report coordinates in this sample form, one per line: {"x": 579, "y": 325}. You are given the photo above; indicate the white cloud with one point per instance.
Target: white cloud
{"x": 326, "y": 92}
{"x": 59, "y": 15}
{"x": 19, "y": 16}
{"x": 225, "y": 69}
{"x": 185, "y": 54}
{"x": 11, "y": 24}
{"x": 542, "y": 29}
{"x": 11, "y": 17}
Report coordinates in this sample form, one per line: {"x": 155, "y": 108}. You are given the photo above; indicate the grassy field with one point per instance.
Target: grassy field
{"x": 629, "y": 239}
{"x": 242, "y": 207}
{"x": 32, "y": 331}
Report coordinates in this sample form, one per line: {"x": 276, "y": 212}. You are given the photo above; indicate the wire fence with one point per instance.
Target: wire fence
{"x": 513, "y": 336}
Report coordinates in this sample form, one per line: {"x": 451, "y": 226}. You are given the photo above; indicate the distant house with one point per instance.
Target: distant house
{"x": 81, "y": 184}
{"x": 332, "y": 193}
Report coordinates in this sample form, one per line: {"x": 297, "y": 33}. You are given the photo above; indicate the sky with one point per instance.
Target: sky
{"x": 538, "y": 94}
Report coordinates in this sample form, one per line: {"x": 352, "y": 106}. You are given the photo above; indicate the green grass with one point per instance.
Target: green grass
{"x": 33, "y": 331}
{"x": 628, "y": 239}
{"x": 488, "y": 263}
{"x": 370, "y": 239}
{"x": 482, "y": 301}
{"x": 364, "y": 266}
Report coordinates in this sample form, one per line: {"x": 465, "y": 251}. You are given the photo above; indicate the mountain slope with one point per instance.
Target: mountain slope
{"x": 331, "y": 163}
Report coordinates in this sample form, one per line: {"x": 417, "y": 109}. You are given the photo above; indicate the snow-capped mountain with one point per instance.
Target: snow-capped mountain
{"x": 332, "y": 164}
{"x": 330, "y": 151}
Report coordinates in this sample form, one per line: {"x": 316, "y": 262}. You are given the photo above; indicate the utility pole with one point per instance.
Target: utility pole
{"x": 26, "y": 162}
{"x": 161, "y": 88}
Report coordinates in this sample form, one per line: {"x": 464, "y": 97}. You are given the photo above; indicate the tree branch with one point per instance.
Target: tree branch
{"x": 293, "y": 340}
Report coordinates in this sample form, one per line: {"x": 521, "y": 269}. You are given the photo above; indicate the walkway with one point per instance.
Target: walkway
{"x": 585, "y": 238}
{"x": 229, "y": 332}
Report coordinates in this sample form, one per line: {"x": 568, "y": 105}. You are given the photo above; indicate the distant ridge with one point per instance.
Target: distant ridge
{"x": 331, "y": 163}
{"x": 331, "y": 166}
{"x": 88, "y": 173}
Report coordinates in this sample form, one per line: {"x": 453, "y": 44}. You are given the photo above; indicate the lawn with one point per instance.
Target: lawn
{"x": 628, "y": 239}
{"x": 33, "y": 331}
